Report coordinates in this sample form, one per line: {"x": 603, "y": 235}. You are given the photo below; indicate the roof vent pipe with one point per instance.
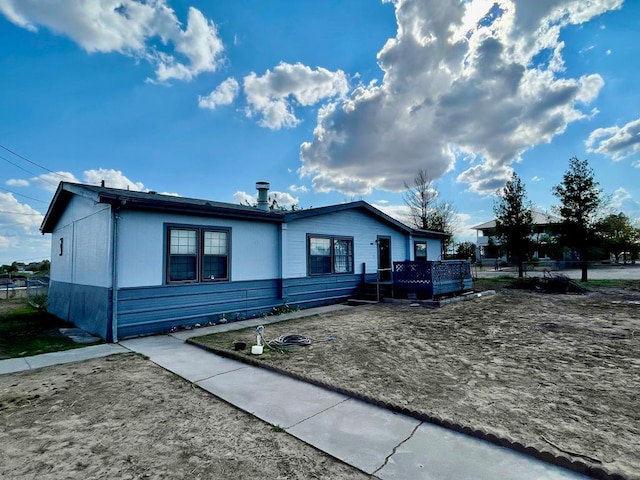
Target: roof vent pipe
{"x": 263, "y": 195}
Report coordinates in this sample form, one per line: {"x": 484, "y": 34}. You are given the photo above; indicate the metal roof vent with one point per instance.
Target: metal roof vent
{"x": 263, "y": 195}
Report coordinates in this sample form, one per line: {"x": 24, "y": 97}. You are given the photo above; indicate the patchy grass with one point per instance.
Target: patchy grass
{"x": 496, "y": 283}
{"x": 633, "y": 285}
{"x": 26, "y": 330}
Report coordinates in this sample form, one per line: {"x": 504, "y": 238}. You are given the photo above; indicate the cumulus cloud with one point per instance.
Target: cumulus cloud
{"x": 112, "y": 178}
{"x": 17, "y": 182}
{"x": 623, "y": 201}
{"x": 142, "y": 29}
{"x": 50, "y": 181}
{"x": 616, "y": 142}
{"x": 19, "y": 237}
{"x": 272, "y": 96}
{"x": 17, "y": 216}
{"x": 478, "y": 80}
{"x": 224, "y": 94}
{"x": 296, "y": 188}
{"x": 283, "y": 199}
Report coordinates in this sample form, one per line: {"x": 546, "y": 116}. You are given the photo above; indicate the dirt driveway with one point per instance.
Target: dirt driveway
{"x": 124, "y": 417}
{"x": 560, "y": 372}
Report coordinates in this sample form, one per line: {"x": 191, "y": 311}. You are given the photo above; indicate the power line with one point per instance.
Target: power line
{"x": 20, "y": 194}
{"x": 18, "y": 166}
{"x": 34, "y": 163}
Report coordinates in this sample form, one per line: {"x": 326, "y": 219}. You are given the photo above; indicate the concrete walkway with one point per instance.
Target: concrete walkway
{"x": 373, "y": 439}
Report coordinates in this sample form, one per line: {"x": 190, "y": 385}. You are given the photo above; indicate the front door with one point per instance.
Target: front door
{"x": 384, "y": 259}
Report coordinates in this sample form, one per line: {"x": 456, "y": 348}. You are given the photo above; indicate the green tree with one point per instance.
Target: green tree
{"x": 582, "y": 202}
{"x": 618, "y": 236}
{"x": 514, "y": 221}
{"x": 467, "y": 250}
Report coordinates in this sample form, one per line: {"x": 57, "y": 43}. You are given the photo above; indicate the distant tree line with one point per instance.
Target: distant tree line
{"x": 42, "y": 267}
{"x": 585, "y": 229}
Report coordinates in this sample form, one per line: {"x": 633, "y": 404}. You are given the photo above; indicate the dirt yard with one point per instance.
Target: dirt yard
{"x": 560, "y": 372}
{"x": 123, "y": 417}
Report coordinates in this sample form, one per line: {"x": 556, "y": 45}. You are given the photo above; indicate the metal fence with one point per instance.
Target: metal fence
{"x": 23, "y": 287}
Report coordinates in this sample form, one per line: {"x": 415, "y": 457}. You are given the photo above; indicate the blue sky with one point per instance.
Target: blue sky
{"x": 327, "y": 100}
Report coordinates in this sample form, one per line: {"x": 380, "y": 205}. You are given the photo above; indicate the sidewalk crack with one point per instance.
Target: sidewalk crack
{"x": 386, "y": 460}
{"x": 317, "y": 413}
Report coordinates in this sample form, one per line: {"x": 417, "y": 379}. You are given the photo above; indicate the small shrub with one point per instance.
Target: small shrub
{"x": 38, "y": 301}
{"x": 282, "y": 309}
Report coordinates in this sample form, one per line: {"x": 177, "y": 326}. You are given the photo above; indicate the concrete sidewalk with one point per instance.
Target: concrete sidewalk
{"x": 13, "y": 365}
{"x": 373, "y": 439}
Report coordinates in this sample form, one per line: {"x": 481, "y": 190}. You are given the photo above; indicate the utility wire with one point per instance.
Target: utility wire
{"x": 21, "y": 195}
{"x": 34, "y": 163}
{"x": 18, "y": 166}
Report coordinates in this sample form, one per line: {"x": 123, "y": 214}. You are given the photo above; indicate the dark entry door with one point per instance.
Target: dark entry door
{"x": 384, "y": 259}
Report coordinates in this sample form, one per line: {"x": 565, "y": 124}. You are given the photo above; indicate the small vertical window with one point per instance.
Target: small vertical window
{"x": 319, "y": 255}
{"x": 420, "y": 251}
{"x": 215, "y": 256}
{"x": 342, "y": 256}
{"x": 183, "y": 255}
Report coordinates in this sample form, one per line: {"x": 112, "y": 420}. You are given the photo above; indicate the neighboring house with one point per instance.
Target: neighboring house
{"x": 127, "y": 263}
{"x": 489, "y": 246}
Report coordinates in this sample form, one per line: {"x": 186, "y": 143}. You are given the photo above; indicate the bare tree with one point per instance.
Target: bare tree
{"x": 426, "y": 210}
{"x": 420, "y": 198}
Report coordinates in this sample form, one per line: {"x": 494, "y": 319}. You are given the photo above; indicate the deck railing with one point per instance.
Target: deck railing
{"x": 428, "y": 279}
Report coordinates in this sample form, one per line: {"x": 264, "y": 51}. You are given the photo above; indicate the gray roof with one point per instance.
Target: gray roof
{"x": 539, "y": 218}
{"x": 192, "y": 206}
{"x": 148, "y": 201}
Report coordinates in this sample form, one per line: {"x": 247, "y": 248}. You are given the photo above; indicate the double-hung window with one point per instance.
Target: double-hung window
{"x": 197, "y": 254}
{"x": 328, "y": 255}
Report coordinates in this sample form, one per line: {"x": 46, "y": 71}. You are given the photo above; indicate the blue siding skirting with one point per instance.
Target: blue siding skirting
{"x": 146, "y": 310}
{"x": 86, "y": 306}
{"x": 308, "y": 291}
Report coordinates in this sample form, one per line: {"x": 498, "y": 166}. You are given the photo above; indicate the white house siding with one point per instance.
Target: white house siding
{"x": 364, "y": 229}
{"x": 85, "y": 228}
{"x": 141, "y": 247}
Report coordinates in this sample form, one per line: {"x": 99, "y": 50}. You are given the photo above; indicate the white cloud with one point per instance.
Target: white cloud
{"x": 112, "y": 178}
{"x": 142, "y": 29}
{"x": 536, "y": 178}
{"x": 616, "y": 142}
{"x": 224, "y": 94}
{"x": 19, "y": 225}
{"x": 50, "y": 181}
{"x": 17, "y": 182}
{"x": 623, "y": 201}
{"x": 283, "y": 199}
{"x": 272, "y": 96}
{"x": 16, "y": 215}
{"x": 295, "y": 188}
{"x": 478, "y": 78}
